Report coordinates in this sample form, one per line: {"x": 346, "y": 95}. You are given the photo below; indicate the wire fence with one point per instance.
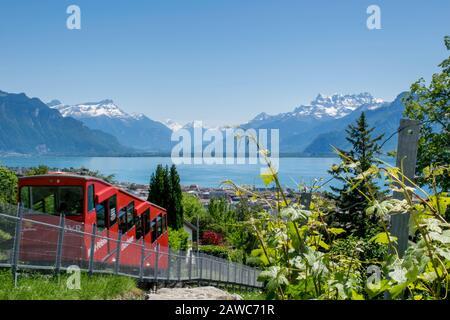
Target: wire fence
{"x": 30, "y": 240}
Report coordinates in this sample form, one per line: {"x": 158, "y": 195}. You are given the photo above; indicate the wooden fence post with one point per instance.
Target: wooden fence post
{"x": 408, "y": 138}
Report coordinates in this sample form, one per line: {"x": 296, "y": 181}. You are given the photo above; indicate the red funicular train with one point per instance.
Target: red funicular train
{"x": 86, "y": 202}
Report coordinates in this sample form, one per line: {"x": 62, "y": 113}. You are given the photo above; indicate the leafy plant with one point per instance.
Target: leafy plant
{"x": 307, "y": 258}
{"x": 178, "y": 239}
{"x": 430, "y": 105}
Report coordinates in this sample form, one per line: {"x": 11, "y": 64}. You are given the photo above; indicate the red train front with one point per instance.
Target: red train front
{"x": 88, "y": 202}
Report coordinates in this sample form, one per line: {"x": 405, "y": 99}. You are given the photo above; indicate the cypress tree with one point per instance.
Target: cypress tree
{"x": 176, "y": 198}
{"x": 165, "y": 191}
{"x": 350, "y": 201}
{"x": 157, "y": 188}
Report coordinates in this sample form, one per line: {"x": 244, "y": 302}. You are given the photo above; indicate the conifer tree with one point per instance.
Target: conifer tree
{"x": 350, "y": 200}
{"x": 165, "y": 191}
{"x": 175, "y": 204}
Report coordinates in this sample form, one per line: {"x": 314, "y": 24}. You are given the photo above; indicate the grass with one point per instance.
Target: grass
{"x": 36, "y": 286}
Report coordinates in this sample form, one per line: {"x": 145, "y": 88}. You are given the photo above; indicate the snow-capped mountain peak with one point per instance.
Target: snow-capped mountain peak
{"x": 325, "y": 107}
{"x": 338, "y": 105}
{"x": 172, "y": 125}
{"x": 106, "y": 108}
{"x": 138, "y": 116}
{"x": 260, "y": 117}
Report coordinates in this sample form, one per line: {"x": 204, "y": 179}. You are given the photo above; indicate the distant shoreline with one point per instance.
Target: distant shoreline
{"x": 151, "y": 155}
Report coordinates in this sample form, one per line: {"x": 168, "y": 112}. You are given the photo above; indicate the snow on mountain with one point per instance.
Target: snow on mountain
{"x": 324, "y": 107}
{"x": 172, "y": 125}
{"x": 105, "y": 108}
{"x": 175, "y": 126}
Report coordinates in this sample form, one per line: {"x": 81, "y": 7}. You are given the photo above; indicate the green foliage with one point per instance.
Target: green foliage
{"x": 175, "y": 197}
{"x": 354, "y": 173}
{"x": 86, "y": 172}
{"x": 192, "y": 208}
{"x": 231, "y": 222}
{"x": 36, "y": 171}
{"x": 430, "y": 105}
{"x": 217, "y": 251}
{"x": 306, "y": 257}
{"x": 8, "y": 186}
{"x": 44, "y": 287}
{"x": 178, "y": 239}
{"x": 165, "y": 191}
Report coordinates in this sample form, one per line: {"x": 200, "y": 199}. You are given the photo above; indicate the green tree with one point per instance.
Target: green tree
{"x": 8, "y": 186}
{"x": 36, "y": 171}
{"x": 178, "y": 239}
{"x": 176, "y": 197}
{"x": 350, "y": 198}
{"x": 165, "y": 191}
{"x": 159, "y": 187}
{"x": 193, "y": 209}
{"x": 431, "y": 105}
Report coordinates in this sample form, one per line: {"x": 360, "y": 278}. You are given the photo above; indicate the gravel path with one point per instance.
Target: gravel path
{"x": 199, "y": 293}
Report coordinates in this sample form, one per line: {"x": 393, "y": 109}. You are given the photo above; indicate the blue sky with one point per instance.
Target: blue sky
{"x": 220, "y": 61}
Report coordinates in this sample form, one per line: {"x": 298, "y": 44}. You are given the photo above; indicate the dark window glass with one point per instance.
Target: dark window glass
{"x": 130, "y": 215}
{"x": 112, "y": 210}
{"x": 100, "y": 210}
{"x": 44, "y": 199}
{"x": 91, "y": 197}
{"x": 123, "y": 220}
{"x": 70, "y": 200}
{"x": 25, "y": 196}
{"x": 139, "y": 231}
{"x": 146, "y": 221}
{"x": 153, "y": 229}
{"x": 159, "y": 225}
{"x": 53, "y": 200}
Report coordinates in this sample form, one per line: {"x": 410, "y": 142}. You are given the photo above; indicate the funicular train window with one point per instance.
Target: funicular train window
{"x": 53, "y": 200}
{"x": 70, "y": 200}
{"x": 139, "y": 231}
{"x": 159, "y": 225}
{"x": 100, "y": 210}
{"x": 91, "y": 197}
{"x": 112, "y": 210}
{"x": 25, "y": 196}
{"x": 44, "y": 199}
{"x": 146, "y": 217}
{"x": 123, "y": 220}
{"x": 130, "y": 216}
{"x": 153, "y": 229}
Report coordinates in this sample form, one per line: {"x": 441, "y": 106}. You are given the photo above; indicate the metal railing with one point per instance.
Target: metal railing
{"x": 30, "y": 240}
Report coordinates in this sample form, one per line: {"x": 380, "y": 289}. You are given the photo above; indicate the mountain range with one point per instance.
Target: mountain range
{"x": 30, "y": 126}
{"x": 133, "y": 130}
{"x": 312, "y": 129}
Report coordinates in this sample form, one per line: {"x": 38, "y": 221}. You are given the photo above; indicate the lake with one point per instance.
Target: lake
{"x": 292, "y": 171}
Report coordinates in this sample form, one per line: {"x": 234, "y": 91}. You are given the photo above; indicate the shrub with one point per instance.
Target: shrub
{"x": 211, "y": 237}
{"x": 217, "y": 251}
{"x": 178, "y": 239}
